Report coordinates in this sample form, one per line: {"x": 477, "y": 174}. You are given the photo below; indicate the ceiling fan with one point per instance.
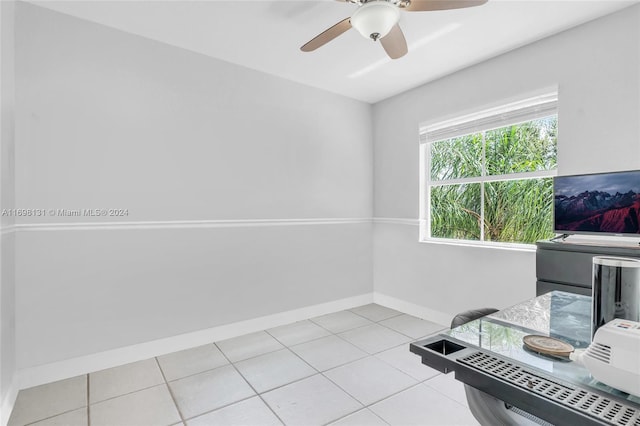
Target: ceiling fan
{"x": 378, "y": 20}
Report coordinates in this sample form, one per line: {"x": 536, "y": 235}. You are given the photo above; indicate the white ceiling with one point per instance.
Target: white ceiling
{"x": 267, "y": 35}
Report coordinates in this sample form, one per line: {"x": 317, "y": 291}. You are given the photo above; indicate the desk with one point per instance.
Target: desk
{"x": 488, "y": 355}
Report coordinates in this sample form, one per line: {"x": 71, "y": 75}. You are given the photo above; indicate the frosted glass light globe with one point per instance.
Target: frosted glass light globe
{"x": 375, "y": 19}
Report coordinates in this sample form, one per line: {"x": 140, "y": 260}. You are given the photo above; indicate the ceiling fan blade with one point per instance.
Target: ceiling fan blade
{"x": 426, "y": 5}
{"x": 394, "y": 43}
{"x": 327, "y": 35}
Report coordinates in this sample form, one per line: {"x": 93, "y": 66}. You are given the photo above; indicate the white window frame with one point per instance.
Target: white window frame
{"x": 508, "y": 114}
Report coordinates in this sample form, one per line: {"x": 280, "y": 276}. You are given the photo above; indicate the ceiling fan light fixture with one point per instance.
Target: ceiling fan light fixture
{"x": 375, "y": 19}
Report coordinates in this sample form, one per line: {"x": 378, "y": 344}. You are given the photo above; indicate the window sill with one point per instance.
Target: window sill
{"x": 481, "y": 244}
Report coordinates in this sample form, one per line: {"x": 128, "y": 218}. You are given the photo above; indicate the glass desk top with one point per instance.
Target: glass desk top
{"x": 565, "y": 316}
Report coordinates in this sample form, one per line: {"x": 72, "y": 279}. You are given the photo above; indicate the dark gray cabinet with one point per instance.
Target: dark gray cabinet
{"x": 568, "y": 266}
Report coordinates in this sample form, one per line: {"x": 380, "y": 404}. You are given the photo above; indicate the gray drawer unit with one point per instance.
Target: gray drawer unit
{"x": 543, "y": 287}
{"x": 568, "y": 266}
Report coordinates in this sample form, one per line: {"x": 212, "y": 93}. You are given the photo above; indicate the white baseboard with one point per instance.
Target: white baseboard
{"x": 34, "y": 376}
{"x": 438, "y": 317}
{"x": 8, "y": 402}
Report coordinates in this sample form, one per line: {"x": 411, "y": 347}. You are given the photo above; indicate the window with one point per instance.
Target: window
{"x": 488, "y": 177}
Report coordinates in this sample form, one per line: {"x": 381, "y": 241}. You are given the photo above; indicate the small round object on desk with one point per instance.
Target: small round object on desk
{"x": 547, "y": 345}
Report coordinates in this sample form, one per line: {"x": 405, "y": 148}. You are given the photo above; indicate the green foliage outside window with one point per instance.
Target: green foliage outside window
{"x": 503, "y": 209}
{"x": 455, "y": 211}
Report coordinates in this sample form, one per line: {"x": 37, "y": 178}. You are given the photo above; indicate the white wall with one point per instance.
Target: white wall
{"x": 7, "y": 144}
{"x": 110, "y": 120}
{"x": 597, "y": 69}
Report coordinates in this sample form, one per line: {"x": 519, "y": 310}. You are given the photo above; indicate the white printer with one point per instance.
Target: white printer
{"x": 613, "y": 357}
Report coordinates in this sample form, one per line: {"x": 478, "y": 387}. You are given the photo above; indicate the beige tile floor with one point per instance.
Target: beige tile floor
{"x": 347, "y": 368}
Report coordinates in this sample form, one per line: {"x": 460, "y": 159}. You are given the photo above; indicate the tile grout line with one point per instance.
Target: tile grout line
{"x": 420, "y": 381}
{"x": 220, "y": 408}
{"x": 229, "y": 363}
{"x": 350, "y": 414}
{"x": 374, "y": 402}
{"x": 362, "y": 349}
{"x": 259, "y": 395}
{"x": 346, "y": 363}
{"x": 397, "y": 368}
{"x": 50, "y": 417}
{"x": 304, "y": 341}
{"x": 389, "y": 397}
{"x": 281, "y": 386}
{"x": 343, "y": 331}
{"x": 375, "y": 355}
{"x": 367, "y": 354}
{"x": 404, "y": 334}
{"x": 442, "y": 393}
{"x": 127, "y": 393}
{"x": 343, "y": 364}
{"x": 383, "y": 319}
{"x": 395, "y": 316}
{"x": 173, "y": 398}
{"x": 415, "y": 386}
{"x": 243, "y": 359}
{"x": 296, "y": 355}
{"x": 67, "y": 411}
{"x": 372, "y": 322}
{"x": 346, "y": 392}
{"x": 318, "y": 372}
{"x": 377, "y": 415}
{"x": 367, "y": 406}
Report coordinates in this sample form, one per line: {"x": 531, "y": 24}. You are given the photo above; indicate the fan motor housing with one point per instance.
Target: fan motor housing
{"x": 374, "y": 19}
